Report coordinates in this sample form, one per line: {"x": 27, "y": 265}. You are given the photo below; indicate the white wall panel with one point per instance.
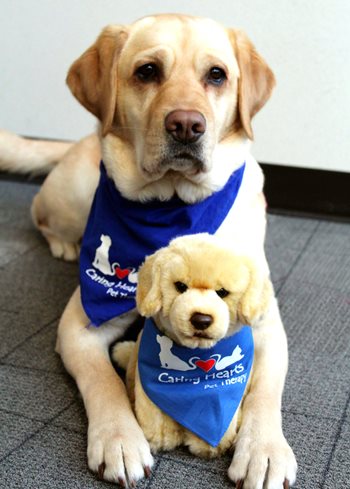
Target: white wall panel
{"x": 306, "y": 123}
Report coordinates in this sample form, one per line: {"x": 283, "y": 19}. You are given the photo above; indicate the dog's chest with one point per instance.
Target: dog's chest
{"x": 121, "y": 233}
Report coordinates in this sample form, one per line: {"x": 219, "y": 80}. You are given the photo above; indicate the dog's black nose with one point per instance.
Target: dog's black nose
{"x": 185, "y": 126}
{"x": 201, "y": 321}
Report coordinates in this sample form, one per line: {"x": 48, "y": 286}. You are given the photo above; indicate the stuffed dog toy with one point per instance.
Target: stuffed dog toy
{"x": 189, "y": 369}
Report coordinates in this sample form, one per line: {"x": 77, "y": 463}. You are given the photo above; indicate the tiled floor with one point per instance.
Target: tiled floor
{"x": 42, "y": 420}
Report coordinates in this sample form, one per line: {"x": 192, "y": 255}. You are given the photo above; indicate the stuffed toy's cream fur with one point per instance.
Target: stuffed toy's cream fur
{"x": 213, "y": 281}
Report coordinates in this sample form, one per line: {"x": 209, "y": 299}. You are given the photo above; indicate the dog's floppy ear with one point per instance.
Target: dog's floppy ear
{"x": 256, "y": 299}
{"x": 148, "y": 293}
{"x": 92, "y": 78}
{"x": 256, "y": 80}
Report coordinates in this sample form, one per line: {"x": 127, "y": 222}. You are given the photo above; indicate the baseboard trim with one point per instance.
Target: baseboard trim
{"x": 320, "y": 193}
{"x": 288, "y": 190}
{"x": 22, "y": 177}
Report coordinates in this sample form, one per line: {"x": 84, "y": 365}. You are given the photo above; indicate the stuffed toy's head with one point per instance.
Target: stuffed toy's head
{"x": 198, "y": 291}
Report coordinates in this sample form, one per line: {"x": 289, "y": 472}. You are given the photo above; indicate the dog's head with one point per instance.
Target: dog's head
{"x": 199, "y": 292}
{"x": 172, "y": 87}
{"x": 106, "y": 240}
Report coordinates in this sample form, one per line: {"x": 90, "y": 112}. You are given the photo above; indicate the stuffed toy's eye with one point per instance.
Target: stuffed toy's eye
{"x": 222, "y": 293}
{"x": 180, "y": 287}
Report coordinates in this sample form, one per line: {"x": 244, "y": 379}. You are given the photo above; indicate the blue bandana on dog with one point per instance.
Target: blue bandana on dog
{"x": 200, "y": 388}
{"x": 120, "y": 233}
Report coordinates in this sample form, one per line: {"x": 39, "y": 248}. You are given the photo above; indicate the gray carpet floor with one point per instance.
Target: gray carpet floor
{"x": 42, "y": 421}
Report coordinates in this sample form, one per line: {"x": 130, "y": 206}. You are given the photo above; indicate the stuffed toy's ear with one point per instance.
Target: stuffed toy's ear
{"x": 92, "y": 78}
{"x": 256, "y": 80}
{"x": 148, "y": 293}
{"x": 256, "y": 299}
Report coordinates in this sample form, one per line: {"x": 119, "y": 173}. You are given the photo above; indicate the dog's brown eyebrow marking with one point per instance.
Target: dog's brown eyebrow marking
{"x": 156, "y": 54}
{"x": 201, "y": 286}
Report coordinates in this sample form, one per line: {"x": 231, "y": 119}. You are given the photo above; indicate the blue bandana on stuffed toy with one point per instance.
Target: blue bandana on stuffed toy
{"x": 120, "y": 233}
{"x": 200, "y": 388}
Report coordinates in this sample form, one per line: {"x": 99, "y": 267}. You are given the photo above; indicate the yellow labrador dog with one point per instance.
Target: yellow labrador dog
{"x": 175, "y": 96}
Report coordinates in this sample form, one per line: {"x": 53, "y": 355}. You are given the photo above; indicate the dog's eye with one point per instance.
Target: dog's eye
{"x": 216, "y": 76}
{"x": 180, "y": 287}
{"x": 148, "y": 72}
{"x": 222, "y": 293}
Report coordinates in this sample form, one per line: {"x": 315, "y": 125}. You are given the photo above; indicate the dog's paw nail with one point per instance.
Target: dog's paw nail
{"x": 147, "y": 471}
{"x": 101, "y": 470}
{"x": 121, "y": 482}
{"x": 286, "y": 484}
{"x": 239, "y": 484}
{"x": 132, "y": 484}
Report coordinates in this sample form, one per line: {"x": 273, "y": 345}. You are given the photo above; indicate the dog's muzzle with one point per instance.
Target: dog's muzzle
{"x": 184, "y": 162}
{"x": 185, "y": 129}
{"x": 183, "y": 151}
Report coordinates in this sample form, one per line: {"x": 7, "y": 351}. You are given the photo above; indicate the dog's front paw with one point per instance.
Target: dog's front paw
{"x": 262, "y": 461}
{"x": 119, "y": 453}
{"x": 63, "y": 249}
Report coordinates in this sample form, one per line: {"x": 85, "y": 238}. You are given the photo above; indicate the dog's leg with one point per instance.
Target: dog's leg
{"x": 58, "y": 247}
{"x": 117, "y": 449}
{"x": 262, "y": 454}
{"x": 122, "y": 352}
{"x": 162, "y": 432}
{"x": 61, "y": 228}
{"x": 60, "y": 209}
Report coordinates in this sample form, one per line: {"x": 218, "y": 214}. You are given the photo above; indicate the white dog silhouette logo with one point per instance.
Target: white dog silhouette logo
{"x": 224, "y": 362}
{"x": 102, "y": 263}
{"x": 170, "y": 361}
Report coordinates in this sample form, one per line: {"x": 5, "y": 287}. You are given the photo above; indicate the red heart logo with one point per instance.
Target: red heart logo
{"x": 122, "y": 272}
{"x": 205, "y": 365}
